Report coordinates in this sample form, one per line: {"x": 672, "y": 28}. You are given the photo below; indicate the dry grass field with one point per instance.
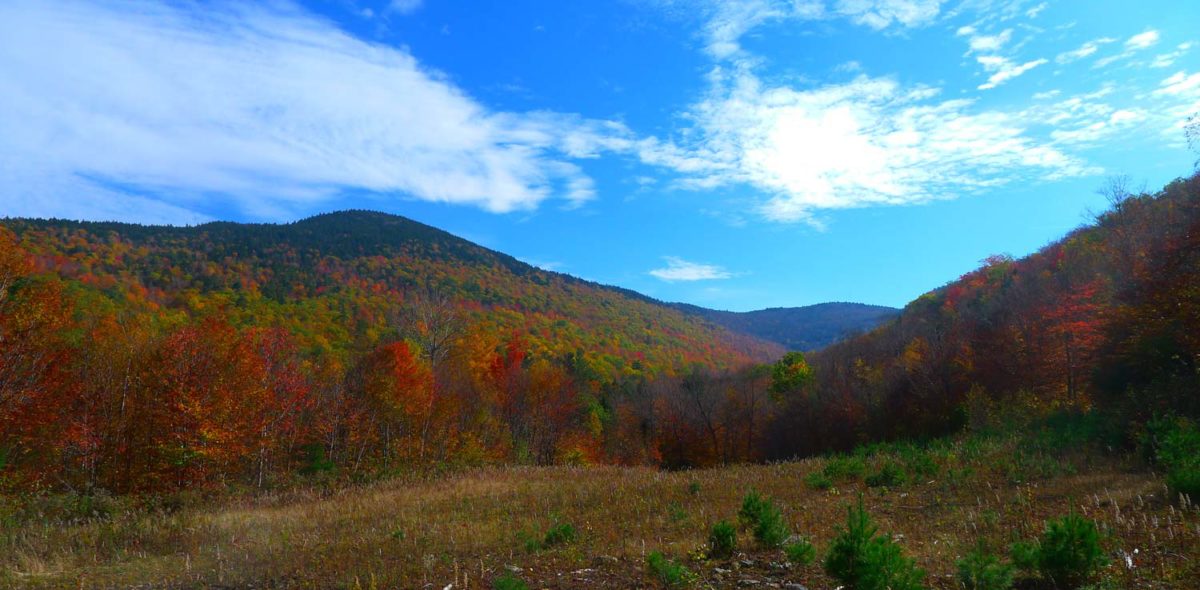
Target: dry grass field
{"x": 466, "y": 529}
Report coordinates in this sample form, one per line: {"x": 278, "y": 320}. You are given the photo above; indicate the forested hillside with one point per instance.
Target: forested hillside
{"x": 1107, "y": 317}
{"x": 800, "y": 328}
{"x": 156, "y": 357}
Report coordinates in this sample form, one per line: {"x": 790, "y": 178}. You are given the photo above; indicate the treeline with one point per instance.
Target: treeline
{"x": 1107, "y": 318}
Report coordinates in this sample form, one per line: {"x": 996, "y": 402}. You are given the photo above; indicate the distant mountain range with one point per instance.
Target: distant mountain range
{"x": 800, "y": 328}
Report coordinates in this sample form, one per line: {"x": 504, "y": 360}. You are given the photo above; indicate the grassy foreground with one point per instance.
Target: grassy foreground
{"x": 470, "y": 528}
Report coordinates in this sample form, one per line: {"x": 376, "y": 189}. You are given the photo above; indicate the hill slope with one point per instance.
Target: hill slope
{"x": 800, "y": 328}
{"x": 1107, "y": 317}
{"x": 347, "y": 267}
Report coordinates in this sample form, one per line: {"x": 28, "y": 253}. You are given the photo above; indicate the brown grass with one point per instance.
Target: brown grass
{"x": 466, "y": 529}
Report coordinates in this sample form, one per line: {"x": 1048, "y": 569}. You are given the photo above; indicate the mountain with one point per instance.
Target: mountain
{"x": 332, "y": 277}
{"x": 800, "y": 328}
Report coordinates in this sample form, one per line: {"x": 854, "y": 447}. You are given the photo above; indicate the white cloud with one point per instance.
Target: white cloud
{"x": 880, "y": 14}
{"x": 1166, "y": 60}
{"x": 1180, "y": 84}
{"x": 678, "y": 269}
{"x": 1094, "y": 129}
{"x": 267, "y": 109}
{"x": 728, "y": 21}
{"x": 1036, "y": 10}
{"x": 988, "y": 48}
{"x": 868, "y": 142}
{"x": 1133, "y": 45}
{"x": 1142, "y": 40}
{"x": 1083, "y": 51}
{"x": 986, "y": 43}
{"x": 1007, "y": 70}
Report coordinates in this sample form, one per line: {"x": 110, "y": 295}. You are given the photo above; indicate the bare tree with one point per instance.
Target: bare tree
{"x": 434, "y": 323}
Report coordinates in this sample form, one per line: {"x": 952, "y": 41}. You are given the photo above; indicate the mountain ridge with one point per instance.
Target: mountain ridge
{"x": 355, "y": 233}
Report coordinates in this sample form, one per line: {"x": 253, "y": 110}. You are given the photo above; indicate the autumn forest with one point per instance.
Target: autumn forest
{"x": 352, "y": 344}
{"x": 356, "y": 347}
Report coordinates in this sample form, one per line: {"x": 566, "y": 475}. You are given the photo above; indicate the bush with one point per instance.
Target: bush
{"x": 818, "y": 481}
{"x": 800, "y": 552}
{"x": 1067, "y": 554}
{"x": 722, "y": 540}
{"x": 559, "y": 534}
{"x": 509, "y": 582}
{"x": 980, "y": 570}
{"x": 667, "y": 571}
{"x": 864, "y": 560}
{"x": 1174, "y": 444}
{"x": 841, "y": 467}
{"x": 764, "y": 518}
{"x": 889, "y": 475}
{"x": 752, "y": 508}
{"x": 1185, "y": 480}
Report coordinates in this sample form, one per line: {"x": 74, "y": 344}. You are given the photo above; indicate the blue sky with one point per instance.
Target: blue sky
{"x": 736, "y": 155}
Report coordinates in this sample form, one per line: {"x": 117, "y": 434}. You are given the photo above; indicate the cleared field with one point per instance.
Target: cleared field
{"x": 468, "y": 528}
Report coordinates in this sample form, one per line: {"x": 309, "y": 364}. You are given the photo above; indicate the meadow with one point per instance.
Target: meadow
{"x": 596, "y": 526}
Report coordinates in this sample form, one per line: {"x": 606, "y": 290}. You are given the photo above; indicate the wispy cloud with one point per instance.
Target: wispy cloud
{"x": 1181, "y": 84}
{"x": 1133, "y": 45}
{"x": 880, "y": 14}
{"x": 988, "y": 49}
{"x": 1166, "y": 60}
{"x": 678, "y": 269}
{"x": 730, "y": 20}
{"x": 122, "y": 104}
{"x": 1142, "y": 40}
{"x": 1004, "y": 70}
{"x": 1083, "y": 51}
{"x": 867, "y": 142}
{"x": 984, "y": 43}
{"x": 1036, "y": 10}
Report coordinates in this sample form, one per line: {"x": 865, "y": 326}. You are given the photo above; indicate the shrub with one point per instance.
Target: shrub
{"x": 764, "y": 518}
{"x": 818, "y": 481}
{"x": 694, "y": 488}
{"x": 1067, "y": 554}
{"x": 752, "y": 508}
{"x": 722, "y": 540}
{"x": 800, "y": 552}
{"x": 667, "y": 571}
{"x": 509, "y": 582}
{"x": 1174, "y": 444}
{"x": 865, "y": 560}
{"x": 559, "y": 534}
{"x": 841, "y": 467}
{"x": 1185, "y": 480}
{"x": 771, "y": 530}
{"x": 889, "y": 475}
{"x": 980, "y": 570}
